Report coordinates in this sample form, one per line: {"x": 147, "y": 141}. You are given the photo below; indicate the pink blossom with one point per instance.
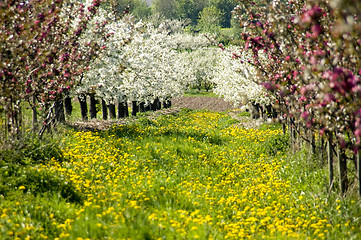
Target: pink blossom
{"x": 303, "y": 90}
{"x": 302, "y": 99}
{"x": 358, "y": 132}
{"x": 313, "y": 60}
{"x": 329, "y": 98}
{"x": 316, "y": 30}
{"x": 268, "y": 86}
{"x": 304, "y": 115}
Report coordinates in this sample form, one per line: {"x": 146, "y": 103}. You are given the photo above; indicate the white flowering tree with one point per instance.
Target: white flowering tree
{"x": 159, "y": 67}
{"x": 182, "y": 41}
{"x": 104, "y": 74}
{"x": 236, "y": 79}
{"x": 139, "y": 64}
{"x": 146, "y": 64}
{"x": 202, "y": 67}
{"x": 151, "y": 70}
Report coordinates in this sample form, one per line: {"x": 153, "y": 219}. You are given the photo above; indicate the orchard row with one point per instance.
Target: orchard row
{"x": 76, "y": 49}
{"x": 304, "y": 54}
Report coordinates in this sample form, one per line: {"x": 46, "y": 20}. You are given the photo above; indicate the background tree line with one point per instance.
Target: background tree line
{"x": 203, "y": 15}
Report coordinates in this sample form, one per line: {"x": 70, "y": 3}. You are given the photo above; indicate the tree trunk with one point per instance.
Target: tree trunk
{"x": 83, "y": 106}
{"x": 167, "y": 103}
{"x": 126, "y": 110}
{"x": 59, "y": 111}
{"x": 19, "y": 120}
{"x": 255, "y": 111}
{"x": 93, "y": 106}
{"x": 158, "y": 104}
{"x": 359, "y": 171}
{"x": 121, "y": 110}
{"x": 68, "y": 106}
{"x": 104, "y": 110}
{"x": 153, "y": 106}
{"x": 274, "y": 113}
{"x": 292, "y": 133}
{"x": 14, "y": 120}
{"x": 342, "y": 170}
{"x": 111, "y": 107}
{"x": 142, "y": 107}
{"x": 330, "y": 160}
{"x": 313, "y": 146}
{"x": 322, "y": 143}
{"x": 134, "y": 108}
{"x": 269, "y": 111}
{"x": 35, "y": 115}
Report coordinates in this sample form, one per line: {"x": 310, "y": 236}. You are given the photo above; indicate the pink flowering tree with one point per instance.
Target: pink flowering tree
{"x": 308, "y": 55}
{"x": 41, "y": 54}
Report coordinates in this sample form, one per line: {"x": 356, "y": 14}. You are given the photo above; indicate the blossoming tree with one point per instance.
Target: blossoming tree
{"x": 41, "y": 56}
{"x": 312, "y": 68}
{"x": 150, "y": 68}
{"x": 236, "y": 80}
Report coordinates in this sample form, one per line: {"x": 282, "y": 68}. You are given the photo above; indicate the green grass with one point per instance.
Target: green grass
{"x": 244, "y": 114}
{"x": 202, "y": 93}
{"x": 192, "y": 175}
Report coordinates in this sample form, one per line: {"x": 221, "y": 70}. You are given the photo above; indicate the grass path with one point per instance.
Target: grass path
{"x": 192, "y": 175}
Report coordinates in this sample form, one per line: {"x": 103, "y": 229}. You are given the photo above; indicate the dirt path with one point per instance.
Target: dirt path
{"x": 210, "y": 103}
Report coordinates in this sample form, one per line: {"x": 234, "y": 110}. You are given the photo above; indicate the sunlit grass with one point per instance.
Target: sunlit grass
{"x": 189, "y": 176}
{"x": 194, "y": 92}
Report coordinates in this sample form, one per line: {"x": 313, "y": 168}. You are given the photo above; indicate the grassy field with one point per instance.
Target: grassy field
{"x": 194, "y": 175}
{"x": 202, "y": 93}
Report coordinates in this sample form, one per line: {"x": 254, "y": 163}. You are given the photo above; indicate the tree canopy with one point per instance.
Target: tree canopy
{"x": 191, "y": 9}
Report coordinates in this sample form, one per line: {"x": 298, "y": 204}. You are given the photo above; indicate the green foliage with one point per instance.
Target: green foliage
{"x": 20, "y": 172}
{"x": 145, "y": 121}
{"x": 226, "y": 36}
{"x": 141, "y": 10}
{"x": 31, "y": 180}
{"x": 276, "y": 145}
{"x": 236, "y": 28}
{"x": 244, "y": 114}
{"x": 189, "y": 9}
{"x": 138, "y": 8}
{"x": 166, "y": 8}
{"x": 226, "y": 7}
{"x": 30, "y": 149}
{"x": 210, "y": 19}
{"x": 311, "y": 178}
{"x": 195, "y": 92}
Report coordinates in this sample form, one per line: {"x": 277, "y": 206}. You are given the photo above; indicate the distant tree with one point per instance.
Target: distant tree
{"x": 119, "y": 6}
{"x": 210, "y": 20}
{"x": 226, "y": 7}
{"x": 167, "y": 8}
{"x": 139, "y": 8}
{"x": 190, "y": 9}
